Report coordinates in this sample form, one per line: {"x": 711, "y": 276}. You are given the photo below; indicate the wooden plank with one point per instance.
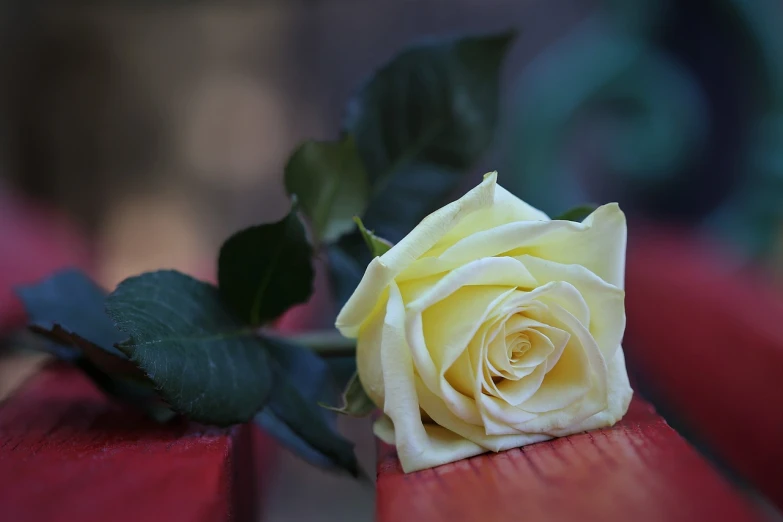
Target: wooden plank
{"x": 68, "y": 453}
{"x": 639, "y": 470}
{"x": 707, "y": 344}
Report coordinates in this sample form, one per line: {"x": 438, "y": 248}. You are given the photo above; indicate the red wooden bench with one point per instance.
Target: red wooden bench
{"x": 639, "y": 470}
{"x": 69, "y": 453}
{"x": 709, "y": 345}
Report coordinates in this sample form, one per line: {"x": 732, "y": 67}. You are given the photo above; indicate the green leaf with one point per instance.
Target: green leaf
{"x": 293, "y": 417}
{"x": 330, "y": 183}
{"x": 204, "y": 362}
{"x": 68, "y": 308}
{"x": 377, "y": 246}
{"x": 68, "y": 302}
{"x": 355, "y": 401}
{"x": 577, "y": 213}
{"x": 266, "y": 269}
{"x": 421, "y": 121}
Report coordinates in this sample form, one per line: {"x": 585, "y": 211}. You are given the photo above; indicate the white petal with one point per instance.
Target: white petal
{"x": 561, "y": 293}
{"x": 491, "y": 271}
{"x": 417, "y": 447}
{"x": 375, "y": 281}
{"x": 598, "y": 244}
{"x": 368, "y": 353}
{"x": 517, "y": 392}
{"x": 605, "y": 301}
{"x": 619, "y": 395}
{"x": 435, "y": 408}
{"x": 600, "y": 247}
{"x": 442, "y": 446}
{"x": 505, "y": 208}
{"x": 382, "y": 270}
{"x": 590, "y": 403}
{"x": 441, "y": 333}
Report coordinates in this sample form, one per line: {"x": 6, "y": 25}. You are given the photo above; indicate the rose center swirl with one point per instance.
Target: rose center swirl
{"x": 520, "y": 349}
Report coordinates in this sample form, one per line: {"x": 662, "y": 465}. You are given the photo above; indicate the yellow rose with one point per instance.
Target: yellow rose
{"x": 491, "y": 326}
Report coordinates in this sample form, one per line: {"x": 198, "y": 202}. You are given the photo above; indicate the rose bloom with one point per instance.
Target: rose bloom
{"x": 491, "y": 326}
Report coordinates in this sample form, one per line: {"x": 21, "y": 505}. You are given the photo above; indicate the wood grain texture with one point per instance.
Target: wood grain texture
{"x": 639, "y": 470}
{"x": 68, "y": 453}
{"x": 707, "y": 342}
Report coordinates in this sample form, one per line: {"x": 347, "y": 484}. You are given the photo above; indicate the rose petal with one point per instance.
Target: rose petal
{"x": 441, "y": 333}
{"x": 607, "y": 302}
{"x": 417, "y": 447}
{"x": 519, "y": 391}
{"x": 590, "y": 403}
{"x": 568, "y": 381}
{"x": 435, "y": 408}
{"x": 619, "y": 395}
{"x": 368, "y": 353}
{"x": 598, "y": 244}
{"x": 502, "y": 418}
{"x": 541, "y": 347}
{"x": 534, "y": 302}
{"x": 424, "y": 236}
{"x": 492, "y": 271}
{"x": 505, "y": 208}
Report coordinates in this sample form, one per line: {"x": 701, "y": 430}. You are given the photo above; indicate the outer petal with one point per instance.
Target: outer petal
{"x": 368, "y": 353}
{"x": 600, "y": 248}
{"x": 619, "y": 395}
{"x": 438, "y": 336}
{"x": 382, "y": 270}
{"x": 439, "y": 413}
{"x": 491, "y": 271}
{"x": 505, "y": 208}
{"x": 417, "y": 447}
{"x": 598, "y": 244}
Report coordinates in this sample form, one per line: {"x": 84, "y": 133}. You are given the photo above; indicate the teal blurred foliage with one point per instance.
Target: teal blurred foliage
{"x": 674, "y": 109}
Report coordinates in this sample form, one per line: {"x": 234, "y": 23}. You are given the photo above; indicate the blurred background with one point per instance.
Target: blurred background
{"x": 153, "y": 130}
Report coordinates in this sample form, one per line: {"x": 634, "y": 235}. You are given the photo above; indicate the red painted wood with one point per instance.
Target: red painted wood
{"x": 68, "y": 453}
{"x": 639, "y": 470}
{"x": 709, "y": 343}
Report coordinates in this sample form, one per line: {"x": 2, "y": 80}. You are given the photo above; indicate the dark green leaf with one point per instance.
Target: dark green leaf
{"x": 421, "y": 121}
{"x": 355, "y": 401}
{"x": 68, "y": 308}
{"x": 577, "y": 213}
{"x": 204, "y": 362}
{"x": 330, "y": 183}
{"x": 266, "y": 269}
{"x": 302, "y": 379}
{"x": 73, "y": 302}
{"x": 377, "y": 246}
